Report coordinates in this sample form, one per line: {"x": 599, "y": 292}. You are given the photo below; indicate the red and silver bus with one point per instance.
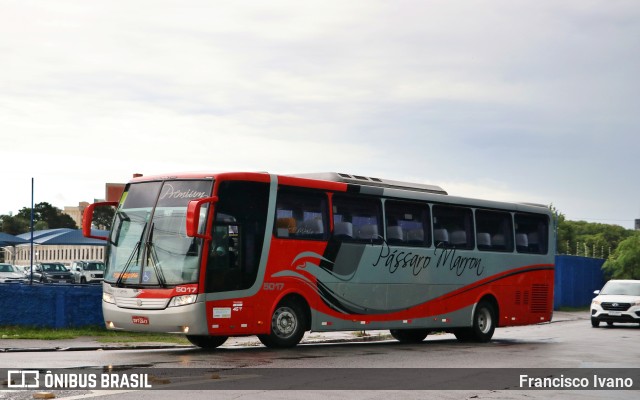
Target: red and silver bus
{"x": 235, "y": 254}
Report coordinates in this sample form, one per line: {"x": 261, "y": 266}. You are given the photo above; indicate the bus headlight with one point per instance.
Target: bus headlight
{"x": 183, "y": 300}
{"x": 108, "y": 298}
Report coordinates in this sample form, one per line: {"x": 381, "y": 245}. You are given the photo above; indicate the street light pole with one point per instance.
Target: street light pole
{"x": 31, "y": 258}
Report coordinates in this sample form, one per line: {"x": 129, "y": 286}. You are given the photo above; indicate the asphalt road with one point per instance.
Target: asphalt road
{"x": 341, "y": 370}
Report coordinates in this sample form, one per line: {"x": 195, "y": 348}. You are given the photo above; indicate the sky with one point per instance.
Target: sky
{"x": 528, "y": 101}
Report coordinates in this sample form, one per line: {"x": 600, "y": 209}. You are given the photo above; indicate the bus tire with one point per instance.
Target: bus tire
{"x": 288, "y": 324}
{"x": 409, "y": 335}
{"x": 207, "y": 342}
{"x": 484, "y": 324}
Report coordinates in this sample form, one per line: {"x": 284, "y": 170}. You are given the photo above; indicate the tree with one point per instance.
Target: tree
{"x": 14, "y": 225}
{"x": 51, "y": 216}
{"x": 103, "y": 216}
{"x": 587, "y": 238}
{"x": 624, "y": 263}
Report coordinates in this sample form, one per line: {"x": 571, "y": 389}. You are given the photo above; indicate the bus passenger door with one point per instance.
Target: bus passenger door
{"x": 223, "y": 267}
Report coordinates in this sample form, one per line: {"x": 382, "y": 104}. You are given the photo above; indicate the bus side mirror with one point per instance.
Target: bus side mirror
{"x": 193, "y": 216}
{"x": 87, "y": 218}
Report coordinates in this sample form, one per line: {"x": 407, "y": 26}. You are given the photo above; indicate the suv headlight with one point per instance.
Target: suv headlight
{"x": 183, "y": 300}
{"x": 108, "y": 298}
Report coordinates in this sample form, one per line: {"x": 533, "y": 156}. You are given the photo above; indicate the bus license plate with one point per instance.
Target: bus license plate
{"x": 140, "y": 320}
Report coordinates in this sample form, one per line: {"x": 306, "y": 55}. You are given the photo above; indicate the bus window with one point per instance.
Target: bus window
{"x": 301, "y": 215}
{"x": 356, "y": 219}
{"x": 453, "y": 227}
{"x": 531, "y": 233}
{"x": 407, "y": 223}
{"x": 494, "y": 231}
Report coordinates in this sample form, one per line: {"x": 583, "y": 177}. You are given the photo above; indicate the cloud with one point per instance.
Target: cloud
{"x": 526, "y": 101}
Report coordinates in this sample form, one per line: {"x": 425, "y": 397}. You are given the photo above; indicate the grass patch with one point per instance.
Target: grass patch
{"x": 96, "y": 332}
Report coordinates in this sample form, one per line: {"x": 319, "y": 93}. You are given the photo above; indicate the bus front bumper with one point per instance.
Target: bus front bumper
{"x": 189, "y": 319}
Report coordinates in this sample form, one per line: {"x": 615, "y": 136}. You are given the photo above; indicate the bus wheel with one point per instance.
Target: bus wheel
{"x": 484, "y": 324}
{"x": 409, "y": 335}
{"x": 287, "y": 326}
{"x": 207, "y": 342}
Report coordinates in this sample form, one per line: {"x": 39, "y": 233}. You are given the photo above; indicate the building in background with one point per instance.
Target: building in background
{"x": 76, "y": 212}
{"x": 112, "y": 192}
{"x": 61, "y": 245}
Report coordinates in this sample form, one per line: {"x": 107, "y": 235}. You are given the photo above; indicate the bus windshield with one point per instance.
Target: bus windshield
{"x": 148, "y": 243}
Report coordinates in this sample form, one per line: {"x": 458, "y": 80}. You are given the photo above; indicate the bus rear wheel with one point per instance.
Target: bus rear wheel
{"x": 484, "y": 324}
{"x": 287, "y": 326}
{"x": 207, "y": 342}
{"x": 409, "y": 335}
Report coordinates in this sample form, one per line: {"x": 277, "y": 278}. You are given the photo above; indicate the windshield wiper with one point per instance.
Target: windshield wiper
{"x": 135, "y": 253}
{"x": 127, "y": 264}
{"x": 153, "y": 259}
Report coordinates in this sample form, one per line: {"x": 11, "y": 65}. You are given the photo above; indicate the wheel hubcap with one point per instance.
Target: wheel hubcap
{"x": 484, "y": 320}
{"x": 284, "y": 322}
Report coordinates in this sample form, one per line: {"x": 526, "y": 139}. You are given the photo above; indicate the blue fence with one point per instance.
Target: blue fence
{"x": 61, "y": 306}
{"x": 575, "y": 280}
{"x": 53, "y": 306}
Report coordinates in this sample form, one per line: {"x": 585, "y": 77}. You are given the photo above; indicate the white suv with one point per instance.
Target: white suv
{"x": 618, "y": 301}
{"x": 87, "y": 271}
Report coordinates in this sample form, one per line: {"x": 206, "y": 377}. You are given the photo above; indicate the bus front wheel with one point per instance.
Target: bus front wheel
{"x": 409, "y": 335}
{"x": 287, "y": 326}
{"x": 484, "y": 324}
{"x": 207, "y": 342}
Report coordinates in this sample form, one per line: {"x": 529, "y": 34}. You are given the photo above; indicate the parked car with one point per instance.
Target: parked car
{"x": 87, "y": 271}
{"x": 618, "y": 301}
{"x": 50, "y": 273}
{"x": 22, "y": 268}
{"x": 11, "y": 274}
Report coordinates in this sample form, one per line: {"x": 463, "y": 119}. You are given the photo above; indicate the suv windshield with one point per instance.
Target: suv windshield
{"x": 94, "y": 266}
{"x": 53, "y": 268}
{"x": 626, "y": 288}
{"x": 148, "y": 243}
